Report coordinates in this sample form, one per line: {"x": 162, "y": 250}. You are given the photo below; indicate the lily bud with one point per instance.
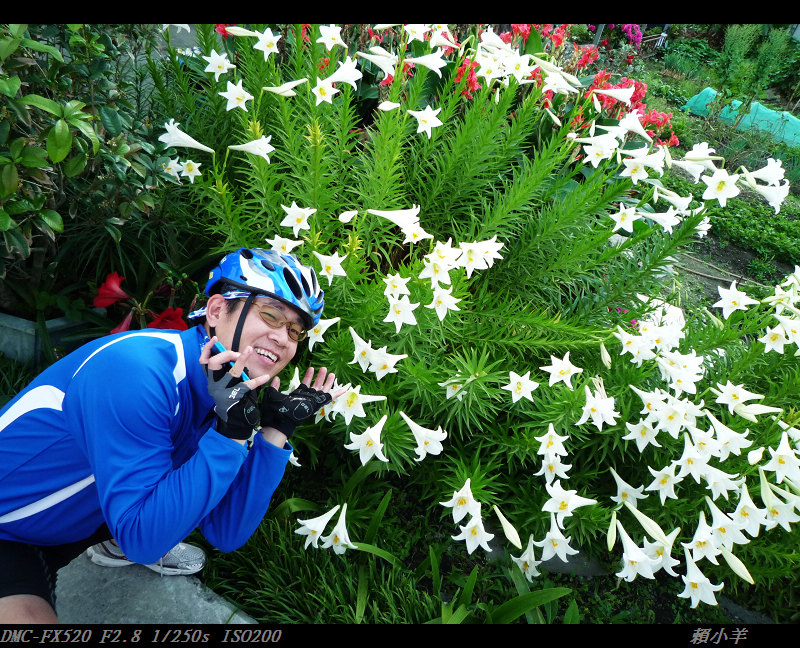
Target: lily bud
{"x": 509, "y": 531}
{"x": 736, "y": 565}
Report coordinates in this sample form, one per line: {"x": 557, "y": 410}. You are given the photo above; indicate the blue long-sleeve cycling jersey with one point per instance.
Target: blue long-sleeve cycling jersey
{"x": 120, "y": 431}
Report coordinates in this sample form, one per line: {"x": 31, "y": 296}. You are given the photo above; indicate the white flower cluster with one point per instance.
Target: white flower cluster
{"x": 338, "y": 539}
{"x": 473, "y": 532}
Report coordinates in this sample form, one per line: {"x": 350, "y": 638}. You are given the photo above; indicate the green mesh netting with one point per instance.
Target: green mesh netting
{"x": 782, "y": 125}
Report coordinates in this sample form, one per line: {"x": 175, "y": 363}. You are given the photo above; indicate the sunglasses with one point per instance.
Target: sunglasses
{"x": 274, "y": 319}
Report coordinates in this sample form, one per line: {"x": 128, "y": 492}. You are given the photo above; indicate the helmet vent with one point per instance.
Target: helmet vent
{"x": 291, "y": 281}
{"x": 247, "y": 254}
{"x": 268, "y": 265}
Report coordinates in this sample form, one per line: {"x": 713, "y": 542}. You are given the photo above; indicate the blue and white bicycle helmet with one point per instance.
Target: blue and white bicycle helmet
{"x": 271, "y": 273}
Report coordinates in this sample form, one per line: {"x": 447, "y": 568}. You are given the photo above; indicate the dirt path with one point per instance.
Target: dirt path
{"x": 714, "y": 263}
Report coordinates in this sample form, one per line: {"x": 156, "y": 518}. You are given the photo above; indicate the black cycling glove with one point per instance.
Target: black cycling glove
{"x": 235, "y": 404}
{"x": 285, "y": 412}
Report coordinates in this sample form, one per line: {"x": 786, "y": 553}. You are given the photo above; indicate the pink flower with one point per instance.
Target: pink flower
{"x": 110, "y": 292}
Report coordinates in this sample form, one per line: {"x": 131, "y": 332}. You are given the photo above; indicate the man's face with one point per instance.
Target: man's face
{"x": 273, "y": 347}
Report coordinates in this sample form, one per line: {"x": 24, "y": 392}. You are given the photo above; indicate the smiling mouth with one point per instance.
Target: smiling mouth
{"x": 267, "y": 354}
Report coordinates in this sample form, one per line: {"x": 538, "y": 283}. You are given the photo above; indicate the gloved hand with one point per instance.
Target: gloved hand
{"x": 235, "y": 404}
{"x": 285, "y": 412}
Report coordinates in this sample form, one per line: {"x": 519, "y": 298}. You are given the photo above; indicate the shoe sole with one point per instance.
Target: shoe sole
{"x": 106, "y": 561}
{"x": 174, "y": 571}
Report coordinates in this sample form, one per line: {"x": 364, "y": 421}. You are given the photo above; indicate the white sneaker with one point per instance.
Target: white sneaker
{"x": 183, "y": 559}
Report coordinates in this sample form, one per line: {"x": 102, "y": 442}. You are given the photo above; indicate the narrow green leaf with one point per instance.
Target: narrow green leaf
{"x": 461, "y": 613}
{"x": 516, "y": 607}
{"x": 59, "y": 141}
{"x": 377, "y": 517}
{"x": 382, "y": 553}
{"x": 293, "y": 505}
{"x": 361, "y": 596}
{"x": 572, "y": 615}
{"x": 469, "y": 587}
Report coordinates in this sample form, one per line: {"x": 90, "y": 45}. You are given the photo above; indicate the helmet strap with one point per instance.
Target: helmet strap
{"x": 237, "y": 334}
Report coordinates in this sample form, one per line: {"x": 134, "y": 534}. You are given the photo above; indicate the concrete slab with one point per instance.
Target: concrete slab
{"x": 89, "y": 593}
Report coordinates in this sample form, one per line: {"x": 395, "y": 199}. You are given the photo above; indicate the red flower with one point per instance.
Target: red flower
{"x": 521, "y": 30}
{"x": 110, "y": 292}
{"x": 221, "y": 29}
{"x": 172, "y": 318}
{"x": 125, "y": 324}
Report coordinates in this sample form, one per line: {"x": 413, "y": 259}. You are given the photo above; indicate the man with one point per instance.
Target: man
{"x": 144, "y": 436}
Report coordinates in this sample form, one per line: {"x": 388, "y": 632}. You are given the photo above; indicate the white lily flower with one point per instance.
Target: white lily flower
{"x": 260, "y": 147}
{"x": 664, "y": 482}
{"x": 555, "y": 544}
{"x": 401, "y": 312}
{"x": 752, "y": 410}
{"x": 338, "y": 538}
{"x": 369, "y": 443}
{"x": 561, "y": 370}
{"x": 190, "y": 169}
{"x": 703, "y": 544}
{"x": 520, "y": 386}
{"x": 267, "y": 42}
{"x": 382, "y": 363}
{"x": 698, "y": 587}
{"x": 416, "y": 32}
{"x": 346, "y": 73}
{"x": 384, "y": 60}
{"x": 626, "y": 492}
{"x": 475, "y": 535}
{"x": 724, "y": 531}
{"x": 773, "y": 195}
{"x": 563, "y": 502}
{"x": 720, "y": 186}
{"x": 732, "y": 395}
{"x": 285, "y": 89}
{"x": 331, "y": 36}
{"x": 443, "y": 302}
{"x": 176, "y": 137}
{"x": 428, "y": 441}
{"x": 635, "y": 561}
{"x": 316, "y": 333}
{"x": 434, "y": 61}
{"x": 324, "y": 91}
{"x": 415, "y": 234}
{"x": 784, "y": 461}
{"x": 297, "y": 217}
{"x": 701, "y": 153}
{"x": 403, "y": 218}
{"x": 314, "y": 527}
{"x": 732, "y": 300}
{"x": 772, "y": 174}
{"x": 747, "y": 515}
{"x": 643, "y": 433}
{"x": 237, "y": 96}
{"x": 396, "y": 285}
{"x": 218, "y": 64}
{"x": 351, "y": 403}
{"x": 527, "y": 561}
{"x": 661, "y": 552}
{"x": 283, "y": 245}
{"x": 463, "y": 503}
{"x": 173, "y": 168}
{"x": 363, "y": 351}
{"x": 331, "y": 265}
{"x": 426, "y": 119}
{"x": 620, "y": 94}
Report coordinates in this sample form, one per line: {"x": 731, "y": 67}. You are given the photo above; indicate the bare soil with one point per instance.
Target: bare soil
{"x": 714, "y": 262}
